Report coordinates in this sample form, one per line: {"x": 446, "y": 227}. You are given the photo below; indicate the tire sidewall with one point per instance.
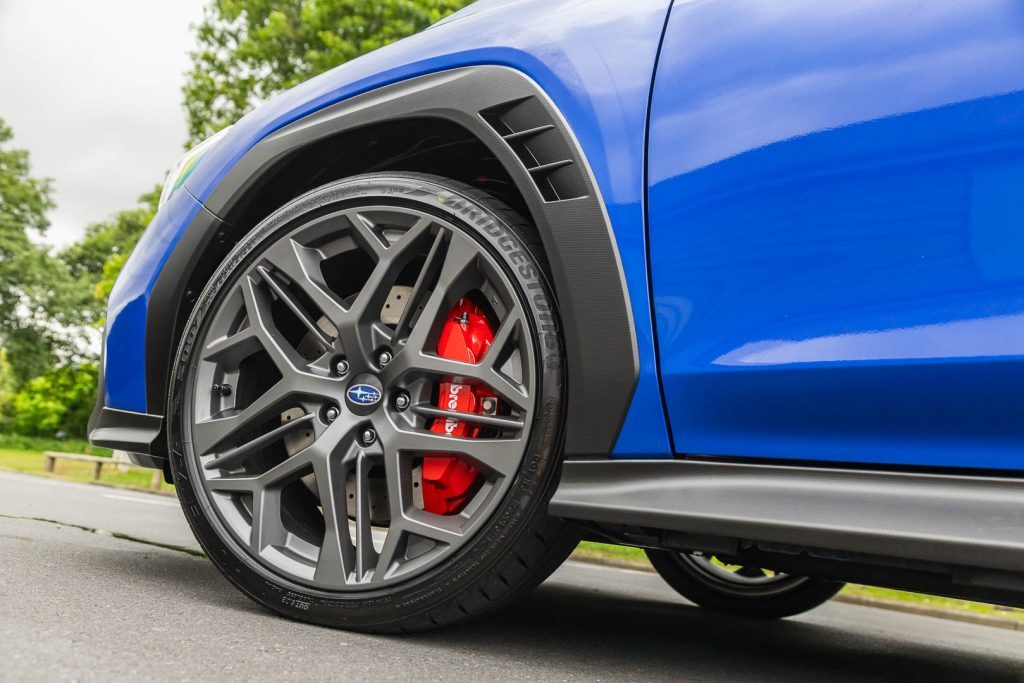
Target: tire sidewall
{"x": 527, "y": 494}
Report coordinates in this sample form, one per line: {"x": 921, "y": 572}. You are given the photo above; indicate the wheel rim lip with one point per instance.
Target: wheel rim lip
{"x": 485, "y": 509}
{"x": 702, "y": 568}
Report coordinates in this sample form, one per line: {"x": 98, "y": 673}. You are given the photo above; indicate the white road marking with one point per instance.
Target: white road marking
{"x": 135, "y": 499}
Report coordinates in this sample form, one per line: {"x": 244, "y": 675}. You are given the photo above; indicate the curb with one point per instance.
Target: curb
{"x": 877, "y": 603}
{"x": 938, "y": 612}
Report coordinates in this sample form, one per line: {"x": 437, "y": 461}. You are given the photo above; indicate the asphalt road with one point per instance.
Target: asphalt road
{"x": 83, "y": 604}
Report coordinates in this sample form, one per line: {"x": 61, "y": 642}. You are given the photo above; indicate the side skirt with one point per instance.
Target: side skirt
{"x": 951, "y": 534}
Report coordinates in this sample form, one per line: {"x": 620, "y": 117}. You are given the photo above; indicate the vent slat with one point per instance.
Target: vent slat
{"x": 523, "y": 134}
{"x": 528, "y": 129}
{"x": 544, "y": 169}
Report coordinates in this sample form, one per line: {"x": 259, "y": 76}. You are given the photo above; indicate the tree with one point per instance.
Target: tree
{"x": 34, "y": 288}
{"x": 251, "y": 49}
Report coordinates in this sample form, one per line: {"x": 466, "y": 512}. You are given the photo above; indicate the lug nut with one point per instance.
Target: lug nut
{"x": 384, "y": 358}
{"x": 331, "y": 414}
{"x": 368, "y": 436}
{"x": 341, "y": 368}
{"x": 402, "y": 401}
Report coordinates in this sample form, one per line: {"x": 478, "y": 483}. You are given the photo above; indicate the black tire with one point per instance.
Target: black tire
{"x": 518, "y": 546}
{"x": 784, "y": 596}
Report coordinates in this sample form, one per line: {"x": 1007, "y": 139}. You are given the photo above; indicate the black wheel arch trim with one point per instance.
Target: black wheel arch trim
{"x": 589, "y": 283}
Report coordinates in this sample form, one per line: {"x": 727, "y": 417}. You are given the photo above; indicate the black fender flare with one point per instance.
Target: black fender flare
{"x": 516, "y": 120}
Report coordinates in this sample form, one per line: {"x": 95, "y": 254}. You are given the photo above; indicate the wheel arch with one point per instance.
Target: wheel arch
{"x": 497, "y": 130}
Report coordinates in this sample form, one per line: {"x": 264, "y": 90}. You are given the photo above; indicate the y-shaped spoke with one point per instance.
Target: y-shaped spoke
{"x": 335, "y": 560}
{"x": 302, "y": 267}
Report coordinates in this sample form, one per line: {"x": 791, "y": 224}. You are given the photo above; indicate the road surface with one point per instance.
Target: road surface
{"x": 79, "y": 603}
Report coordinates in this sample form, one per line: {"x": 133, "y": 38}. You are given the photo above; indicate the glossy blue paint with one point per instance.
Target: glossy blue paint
{"x": 594, "y": 58}
{"x": 124, "y": 355}
{"x": 836, "y": 229}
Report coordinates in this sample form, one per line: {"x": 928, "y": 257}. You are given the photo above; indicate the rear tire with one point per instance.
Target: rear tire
{"x": 766, "y": 597}
{"x": 510, "y": 549}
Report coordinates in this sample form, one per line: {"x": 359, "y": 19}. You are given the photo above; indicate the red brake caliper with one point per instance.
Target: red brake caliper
{"x": 449, "y": 482}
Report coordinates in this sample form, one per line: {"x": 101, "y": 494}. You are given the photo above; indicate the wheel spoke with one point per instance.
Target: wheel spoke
{"x": 500, "y": 456}
{"x": 291, "y": 469}
{"x": 363, "y": 228}
{"x": 233, "y": 349}
{"x": 410, "y": 361}
{"x": 431, "y": 526}
{"x": 366, "y": 554}
{"x": 261, "y": 323}
{"x": 371, "y": 297}
{"x": 289, "y": 300}
{"x": 236, "y": 456}
{"x": 208, "y": 434}
{"x": 267, "y": 528}
{"x": 362, "y": 331}
{"x": 245, "y": 484}
{"x": 478, "y": 418}
{"x": 335, "y": 558}
{"x": 394, "y": 544}
{"x": 396, "y": 473}
{"x": 302, "y": 267}
{"x": 461, "y": 254}
{"x": 428, "y": 274}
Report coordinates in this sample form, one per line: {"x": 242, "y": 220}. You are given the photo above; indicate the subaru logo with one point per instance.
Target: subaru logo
{"x": 363, "y": 394}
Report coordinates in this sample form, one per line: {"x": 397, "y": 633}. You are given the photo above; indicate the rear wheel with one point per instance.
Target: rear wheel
{"x": 367, "y": 407}
{"x": 740, "y": 589}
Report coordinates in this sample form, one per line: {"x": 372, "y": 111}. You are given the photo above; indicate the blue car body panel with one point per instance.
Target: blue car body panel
{"x": 832, "y": 194}
{"x": 837, "y": 230}
{"x": 597, "y": 72}
{"x": 124, "y": 354}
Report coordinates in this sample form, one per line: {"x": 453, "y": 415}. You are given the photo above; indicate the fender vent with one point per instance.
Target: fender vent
{"x": 528, "y": 129}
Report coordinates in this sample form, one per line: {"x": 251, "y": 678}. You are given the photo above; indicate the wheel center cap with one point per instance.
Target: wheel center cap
{"x": 364, "y": 394}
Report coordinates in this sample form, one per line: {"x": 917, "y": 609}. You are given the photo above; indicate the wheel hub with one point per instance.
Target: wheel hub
{"x": 364, "y": 395}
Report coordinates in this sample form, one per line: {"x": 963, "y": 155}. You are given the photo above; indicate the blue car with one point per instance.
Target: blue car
{"x": 737, "y": 282}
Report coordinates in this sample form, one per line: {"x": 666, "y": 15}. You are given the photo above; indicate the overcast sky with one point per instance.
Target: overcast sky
{"x": 92, "y": 88}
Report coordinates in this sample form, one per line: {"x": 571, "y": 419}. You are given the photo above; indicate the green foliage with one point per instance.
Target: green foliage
{"x": 58, "y": 401}
{"x": 250, "y": 49}
{"x": 35, "y": 289}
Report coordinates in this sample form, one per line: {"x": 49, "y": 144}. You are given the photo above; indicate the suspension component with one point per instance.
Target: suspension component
{"x": 450, "y": 482}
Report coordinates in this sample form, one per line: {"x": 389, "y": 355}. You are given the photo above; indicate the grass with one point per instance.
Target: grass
{"x": 28, "y": 461}
{"x": 622, "y": 555}
{"x": 40, "y": 443}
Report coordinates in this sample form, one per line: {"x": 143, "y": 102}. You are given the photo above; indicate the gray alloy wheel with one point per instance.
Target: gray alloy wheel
{"x": 309, "y": 388}
{"x": 740, "y": 589}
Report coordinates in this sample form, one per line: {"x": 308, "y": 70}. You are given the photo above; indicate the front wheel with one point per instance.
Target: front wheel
{"x": 367, "y": 405}
{"x": 740, "y": 589}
